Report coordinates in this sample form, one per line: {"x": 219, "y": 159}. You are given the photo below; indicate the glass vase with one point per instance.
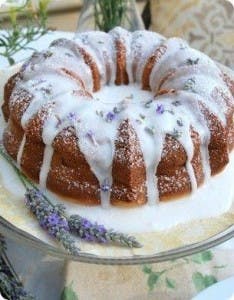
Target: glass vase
{"x": 106, "y": 14}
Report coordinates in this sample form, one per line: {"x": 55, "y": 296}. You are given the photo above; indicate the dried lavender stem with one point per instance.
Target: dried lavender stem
{"x": 93, "y": 232}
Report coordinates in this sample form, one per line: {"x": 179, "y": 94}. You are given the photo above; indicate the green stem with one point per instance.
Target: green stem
{"x": 18, "y": 37}
{"x": 108, "y": 14}
{"x": 20, "y": 175}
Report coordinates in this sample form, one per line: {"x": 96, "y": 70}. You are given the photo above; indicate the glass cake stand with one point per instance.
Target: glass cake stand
{"x": 21, "y": 237}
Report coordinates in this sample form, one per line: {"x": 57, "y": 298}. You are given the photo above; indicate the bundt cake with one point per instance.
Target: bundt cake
{"x": 119, "y": 118}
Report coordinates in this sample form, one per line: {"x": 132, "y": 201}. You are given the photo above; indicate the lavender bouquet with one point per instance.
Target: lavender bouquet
{"x": 53, "y": 218}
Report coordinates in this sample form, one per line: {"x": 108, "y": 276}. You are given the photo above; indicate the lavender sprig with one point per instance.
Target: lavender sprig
{"x": 51, "y": 219}
{"x": 2, "y": 244}
{"x": 92, "y": 232}
{"x": 10, "y": 285}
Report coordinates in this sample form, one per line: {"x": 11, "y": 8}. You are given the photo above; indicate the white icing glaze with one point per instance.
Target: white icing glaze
{"x": 45, "y": 168}
{"x": 94, "y": 120}
{"x": 20, "y": 151}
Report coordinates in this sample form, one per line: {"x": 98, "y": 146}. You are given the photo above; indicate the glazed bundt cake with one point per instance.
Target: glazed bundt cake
{"x": 119, "y": 118}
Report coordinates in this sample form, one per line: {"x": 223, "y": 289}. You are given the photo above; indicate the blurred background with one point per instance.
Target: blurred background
{"x": 207, "y": 25}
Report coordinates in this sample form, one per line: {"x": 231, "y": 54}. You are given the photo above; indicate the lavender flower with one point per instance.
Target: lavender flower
{"x": 38, "y": 82}
{"x": 176, "y": 103}
{"x": 148, "y": 103}
{"x": 50, "y": 218}
{"x": 160, "y": 109}
{"x": 110, "y": 116}
{"x": 99, "y": 113}
{"x": 150, "y": 130}
{"x": 192, "y": 62}
{"x": 189, "y": 85}
{"x": 105, "y": 187}
{"x": 170, "y": 111}
{"x": 59, "y": 121}
{"x": 2, "y": 244}
{"x": 47, "y": 54}
{"x": 117, "y": 110}
{"x": 93, "y": 232}
{"x": 90, "y": 134}
{"x": 71, "y": 116}
{"x": 176, "y": 133}
{"x": 25, "y": 65}
{"x": 10, "y": 286}
{"x": 179, "y": 122}
{"x": 68, "y": 54}
{"x": 46, "y": 90}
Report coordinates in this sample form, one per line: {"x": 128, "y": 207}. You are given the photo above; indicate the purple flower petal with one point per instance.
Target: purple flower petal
{"x": 101, "y": 228}
{"x": 86, "y": 224}
{"x": 110, "y": 116}
{"x": 43, "y": 223}
{"x": 160, "y": 109}
{"x": 90, "y": 134}
{"x": 72, "y": 117}
{"x": 88, "y": 237}
{"x": 53, "y": 219}
{"x": 63, "y": 224}
{"x": 105, "y": 187}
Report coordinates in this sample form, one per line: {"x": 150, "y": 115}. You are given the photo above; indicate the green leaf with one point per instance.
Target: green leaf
{"x": 170, "y": 283}
{"x": 11, "y": 61}
{"x": 202, "y": 257}
{"x": 203, "y": 281}
{"x": 207, "y": 255}
{"x": 2, "y": 42}
{"x": 68, "y": 293}
{"x": 210, "y": 280}
{"x": 153, "y": 279}
{"x": 147, "y": 269}
{"x": 198, "y": 281}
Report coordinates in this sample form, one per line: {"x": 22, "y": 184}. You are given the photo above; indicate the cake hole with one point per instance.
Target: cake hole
{"x": 122, "y": 94}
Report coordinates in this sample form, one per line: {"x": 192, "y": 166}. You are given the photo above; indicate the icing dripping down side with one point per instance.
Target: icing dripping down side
{"x": 20, "y": 151}
{"x": 45, "y": 168}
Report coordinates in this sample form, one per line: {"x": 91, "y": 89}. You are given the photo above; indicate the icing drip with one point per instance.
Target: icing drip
{"x": 151, "y": 178}
{"x": 45, "y": 168}
{"x": 20, "y": 151}
{"x": 192, "y": 176}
